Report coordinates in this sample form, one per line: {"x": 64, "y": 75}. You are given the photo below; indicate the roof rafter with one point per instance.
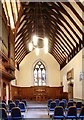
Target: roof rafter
{"x": 71, "y": 19}
{"x": 74, "y": 11}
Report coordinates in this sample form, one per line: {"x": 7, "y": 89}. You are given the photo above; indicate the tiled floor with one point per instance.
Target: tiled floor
{"x": 36, "y": 113}
{"x": 35, "y": 105}
{"x": 36, "y": 110}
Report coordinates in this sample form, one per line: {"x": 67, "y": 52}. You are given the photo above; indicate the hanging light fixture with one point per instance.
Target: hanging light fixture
{"x": 45, "y": 41}
{"x": 34, "y": 44}
{"x": 30, "y": 46}
{"x": 35, "y": 40}
{"x": 46, "y": 45}
{"x": 37, "y": 51}
{"x": 46, "y": 49}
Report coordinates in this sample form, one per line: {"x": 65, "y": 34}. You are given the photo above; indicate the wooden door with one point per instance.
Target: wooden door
{"x": 70, "y": 91}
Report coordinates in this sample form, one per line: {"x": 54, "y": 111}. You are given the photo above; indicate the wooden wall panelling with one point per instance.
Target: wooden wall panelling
{"x": 6, "y": 70}
{"x": 5, "y": 83}
{"x": 39, "y": 93}
{"x": 4, "y": 39}
{"x": 11, "y": 51}
{"x": 1, "y": 93}
{"x": 14, "y": 92}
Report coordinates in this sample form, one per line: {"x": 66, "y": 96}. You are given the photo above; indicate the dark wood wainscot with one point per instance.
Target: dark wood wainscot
{"x": 39, "y": 93}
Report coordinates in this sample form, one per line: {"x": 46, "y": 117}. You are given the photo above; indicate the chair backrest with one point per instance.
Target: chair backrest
{"x": 69, "y": 104}
{"x": 62, "y": 104}
{"x": 12, "y": 105}
{"x": 3, "y": 114}
{"x": 53, "y": 104}
{"x": 3, "y": 101}
{"x": 16, "y": 102}
{"x": 78, "y": 104}
{"x": 16, "y": 113}
{"x": 9, "y": 101}
{"x": 3, "y": 105}
{"x": 82, "y": 111}
{"x": 72, "y": 111}
{"x": 70, "y": 100}
{"x": 64, "y": 100}
{"x": 58, "y": 111}
{"x": 21, "y": 105}
{"x": 24, "y": 101}
{"x": 49, "y": 101}
{"x": 57, "y": 102}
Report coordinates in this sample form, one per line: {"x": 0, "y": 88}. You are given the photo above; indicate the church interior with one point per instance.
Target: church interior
{"x": 41, "y": 59}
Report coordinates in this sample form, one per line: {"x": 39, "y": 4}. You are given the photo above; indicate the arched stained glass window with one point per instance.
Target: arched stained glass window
{"x": 39, "y": 74}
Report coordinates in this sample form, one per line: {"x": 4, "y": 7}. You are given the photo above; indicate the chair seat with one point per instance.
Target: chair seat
{"x": 78, "y": 108}
{"x": 16, "y": 118}
{"x": 51, "y": 113}
{"x": 51, "y": 109}
{"x": 9, "y": 117}
{"x": 80, "y": 116}
{"x": 70, "y": 117}
{"x": 58, "y": 117}
{"x": 22, "y": 110}
{"x": 8, "y": 111}
{"x": 66, "y": 109}
{"x": 4, "y": 118}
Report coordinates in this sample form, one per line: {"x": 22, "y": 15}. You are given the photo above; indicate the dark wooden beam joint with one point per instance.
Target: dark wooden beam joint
{"x": 63, "y": 64}
{"x": 80, "y": 45}
{"x": 83, "y": 40}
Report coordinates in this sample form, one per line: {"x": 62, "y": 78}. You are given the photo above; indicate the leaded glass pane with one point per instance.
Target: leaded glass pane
{"x": 39, "y": 74}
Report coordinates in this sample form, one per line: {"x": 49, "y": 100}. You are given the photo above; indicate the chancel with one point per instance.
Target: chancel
{"x": 41, "y": 59}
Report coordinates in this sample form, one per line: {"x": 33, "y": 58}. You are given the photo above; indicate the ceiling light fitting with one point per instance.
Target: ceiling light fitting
{"x": 37, "y": 43}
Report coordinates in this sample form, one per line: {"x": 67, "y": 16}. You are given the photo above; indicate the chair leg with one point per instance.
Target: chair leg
{"x": 52, "y": 118}
{"x": 48, "y": 112}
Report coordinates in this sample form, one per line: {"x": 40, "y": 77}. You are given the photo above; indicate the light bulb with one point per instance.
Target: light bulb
{"x": 37, "y": 51}
{"x": 30, "y": 46}
{"x": 46, "y": 49}
{"x": 35, "y": 40}
{"x": 45, "y": 41}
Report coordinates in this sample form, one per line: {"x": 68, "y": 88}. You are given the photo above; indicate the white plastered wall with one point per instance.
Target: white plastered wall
{"x": 77, "y": 64}
{"x": 83, "y": 74}
{"x": 25, "y": 75}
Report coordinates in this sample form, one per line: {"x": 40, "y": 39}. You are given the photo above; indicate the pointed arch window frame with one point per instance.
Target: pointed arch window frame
{"x": 39, "y": 74}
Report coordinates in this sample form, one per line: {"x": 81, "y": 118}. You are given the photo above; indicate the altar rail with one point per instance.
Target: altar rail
{"x": 38, "y": 93}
